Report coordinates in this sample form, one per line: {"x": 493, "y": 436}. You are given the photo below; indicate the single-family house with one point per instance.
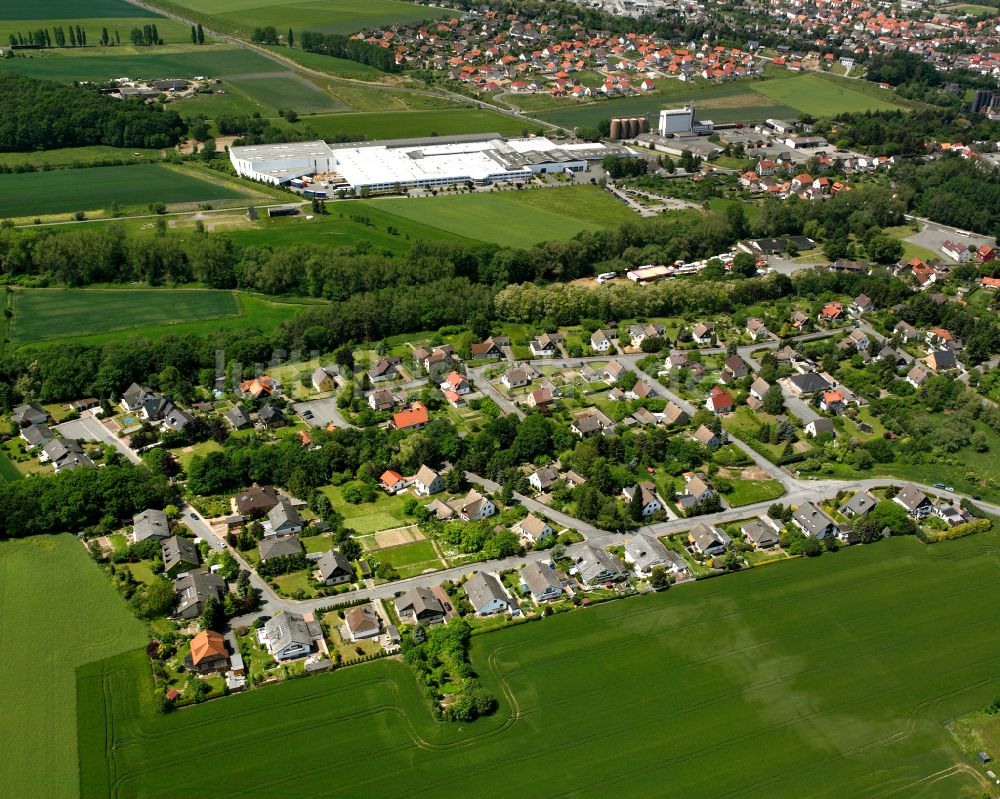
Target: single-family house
{"x": 289, "y": 636}
{"x": 362, "y": 622}
{"x": 647, "y": 496}
{"x": 179, "y": 555}
{"x": 600, "y": 341}
{"x": 475, "y": 506}
{"x": 28, "y": 414}
{"x": 941, "y": 360}
{"x": 906, "y": 331}
{"x": 546, "y": 345}
{"x": 645, "y": 551}
{"x": 758, "y": 388}
{"x": 270, "y": 416}
{"x": 760, "y": 532}
{"x": 427, "y": 481}
{"x": 540, "y": 580}
{"x": 814, "y": 521}
{"x": 208, "y": 653}
{"x": 801, "y": 385}
{"x": 613, "y": 370}
{"x": 488, "y": 350}
{"x": 861, "y": 305}
{"x": 857, "y": 338}
{"x": 381, "y": 399}
{"x": 383, "y": 370}
{"x": 939, "y": 337}
{"x": 533, "y": 528}
{"x": 719, "y": 401}
{"x": 915, "y": 502}
{"x": 486, "y": 594}
{"x": 543, "y": 478}
{"x": 456, "y": 382}
{"x": 595, "y": 566}
{"x": 36, "y": 435}
{"x": 238, "y": 419}
{"x": 414, "y": 418}
{"x": 279, "y": 547}
{"x": 917, "y": 376}
{"x": 194, "y": 588}
{"x": 708, "y": 540}
{"x": 639, "y": 333}
{"x": 65, "y": 455}
{"x": 517, "y": 377}
{"x": 393, "y": 482}
{"x": 283, "y": 519}
{"x": 703, "y": 332}
{"x": 151, "y": 523}
{"x": 756, "y": 328}
{"x": 832, "y": 312}
{"x": 256, "y": 501}
{"x": 819, "y": 425}
{"x": 419, "y": 606}
{"x": 674, "y": 414}
{"x": 334, "y": 569}
{"x": 324, "y": 378}
{"x": 860, "y": 504}
{"x": 706, "y": 437}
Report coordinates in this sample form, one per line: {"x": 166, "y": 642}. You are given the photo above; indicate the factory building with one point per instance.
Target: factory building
{"x": 417, "y": 163}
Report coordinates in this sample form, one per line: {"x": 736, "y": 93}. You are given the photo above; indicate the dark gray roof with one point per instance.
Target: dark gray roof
{"x": 809, "y": 383}
{"x": 812, "y": 519}
{"x": 646, "y": 551}
{"x": 283, "y": 515}
{"x": 419, "y": 600}
{"x": 151, "y": 523}
{"x": 177, "y": 550}
{"x": 237, "y": 417}
{"x": 289, "y": 628}
{"x": 540, "y": 579}
{"x": 282, "y": 545}
{"x": 333, "y": 564}
{"x": 196, "y": 586}
{"x": 28, "y": 414}
{"x": 484, "y": 588}
{"x": 859, "y": 505}
{"x": 759, "y": 533}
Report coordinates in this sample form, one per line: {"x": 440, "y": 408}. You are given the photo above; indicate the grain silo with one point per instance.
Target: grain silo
{"x": 643, "y": 125}
{"x": 616, "y": 129}
{"x": 633, "y": 128}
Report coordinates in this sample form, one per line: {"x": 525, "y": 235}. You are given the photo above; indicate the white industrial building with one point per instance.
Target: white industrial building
{"x": 676, "y": 120}
{"x": 417, "y": 163}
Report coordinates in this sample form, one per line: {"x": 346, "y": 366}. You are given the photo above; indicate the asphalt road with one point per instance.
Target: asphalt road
{"x": 90, "y": 428}
{"x": 933, "y": 235}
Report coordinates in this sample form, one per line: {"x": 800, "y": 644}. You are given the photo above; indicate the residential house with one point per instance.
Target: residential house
{"x": 362, "y": 622}
{"x": 589, "y": 423}
{"x": 540, "y": 580}
{"x": 533, "y": 528}
{"x": 639, "y": 333}
{"x": 279, "y": 547}
{"x": 271, "y": 417}
{"x": 151, "y": 523}
{"x": 832, "y": 312}
{"x": 819, "y": 425}
{"x": 706, "y": 437}
{"x": 517, "y": 377}
{"x": 258, "y": 387}
{"x": 861, "y": 305}
{"x": 955, "y": 251}
{"x": 289, "y": 635}
{"x": 760, "y": 532}
{"x": 283, "y": 519}
{"x": 31, "y": 413}
{"x": 832, "y": 401}
{"x": 179, "y": 555}
{"x": 65, "y": 455}
{"x": 719, "y": 401}
{"x": 486, "y": 594}
{"x": 393, "y": 482}
{"x": 951, "y": 514}
{"x": 941, "y": 360}
{"x": 799, "y": 320}
{"x": 427, "y": 481}
{"x": 708, "y": 540}
{"x": 334, "y": 569}
{"x": 543, "y": 478}
{"x": 324, "y": 378}
{"x": 756, "y": 328}
{"x": 906, "y": 331}
{"x": 381, "y": 399}
{"x": 600, "y": 341}
{"x": 806, "y": 384}
{"x": 488, "y": 350}
{"x": 540, "y": 398}
{"x": 208, "y": 653}
{"x": 256, "y": 501}
{"x": 696, "y": 491}
{"x": 644, "y": 552}
{"x": 703, "y": 332}
{"x": 644, "y": 416}
{"x": 917, "y": 376}
{"x": 857, "y": 338}
{"x": 814, "y": 521}
{"x": 735, "y": 367}
{"x": 641, "y": 390}
{"x": 238, "y": 419}
{"x": 860, "y": 504}
{"x": 613, "y": 370}
{"x": 674, "y": 414}
{"x": 915, "y": 502}
{"x": 456, "y": 382}
{"x": 546, "y": 345}
{"x": 419, "y": 606}
{"x": 475, "y": 506}
{"x": 383, "y": 370}
{"x": 939, "y": 337}
{"x": 595, "y": 566}
{"x": 758, "y": 388}
{"x": 194, "y": 588}
{"x": 36, "y": 435}
{"x": 441, "y": 511}
{"x": 647, "y": 496}
{"x": 414, "y": 418}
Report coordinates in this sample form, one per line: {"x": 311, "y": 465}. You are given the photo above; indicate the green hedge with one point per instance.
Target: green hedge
{"x": 961, "y": 530}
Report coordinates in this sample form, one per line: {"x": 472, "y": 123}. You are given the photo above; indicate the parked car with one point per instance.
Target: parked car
{"x": 939, "y": 485}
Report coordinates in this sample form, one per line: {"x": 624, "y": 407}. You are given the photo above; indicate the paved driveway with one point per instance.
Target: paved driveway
{"x": 90, "y": 428}
{"x": 321, "y": 413}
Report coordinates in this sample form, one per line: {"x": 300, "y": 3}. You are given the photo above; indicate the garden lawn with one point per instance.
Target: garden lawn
{"x": 252, "y": 312}
{"x": 409, "y": 554}
{"x": 747, "y": 492}
{"x": 96, "y": 188}
{"x": 385, "y": 513}
{"x": 410, "y": 124}
{"x": 849, "y": 694}
{"x": 515, "y": 218}
{"x": 59, "y": 611}
{"x": 823, "y": 95}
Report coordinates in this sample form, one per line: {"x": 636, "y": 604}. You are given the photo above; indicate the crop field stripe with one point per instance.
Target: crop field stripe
{"x": 812, "y": 678}
{"x": 70, "y": 10}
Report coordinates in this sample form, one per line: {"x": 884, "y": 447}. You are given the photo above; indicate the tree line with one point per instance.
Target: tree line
{"x": 340, "y": 46}
{"x": 45, "y": 115}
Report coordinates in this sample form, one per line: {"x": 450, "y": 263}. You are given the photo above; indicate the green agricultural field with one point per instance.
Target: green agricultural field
{"x": 66, "y": 10}
{"x": 325, "y": 16}
{"x": 823, "y": 95}
{"x": 96, "y": 188}
{"x": 79, "y": 156}
{"x": 162, "y": 307}
{"x": 348, "y": 223}
{"x": 171, "y": 32}
{"x": 411, "y": 124}
{"x": 105, "y": 63}
{"x": 741, "y": 686}
{"x": 341, "y": 67}
{"x": 51, "y": 594}
{"x": 285, "y": 90}
{"x": 519, "y": 219}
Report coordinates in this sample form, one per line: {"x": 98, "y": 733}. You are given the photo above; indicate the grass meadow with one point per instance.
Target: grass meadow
{"x": 59, "y": 612}
{"x": 66, "y": 10}
{"x": 171, "y": 32}
{"x": 743, "y": 686}
{"x": 96, "y": 188}
{"x": 385, "y": 513}
{"x": 93, "y": 316}
{"x": 286, "y": 90}
{"x": 822, "y": 95}
{"x": 79, "y": 156}
{"x": 519, "y": 219}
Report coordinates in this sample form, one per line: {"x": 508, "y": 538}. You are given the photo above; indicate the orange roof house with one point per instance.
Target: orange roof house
{"x": 412, "y": 419}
